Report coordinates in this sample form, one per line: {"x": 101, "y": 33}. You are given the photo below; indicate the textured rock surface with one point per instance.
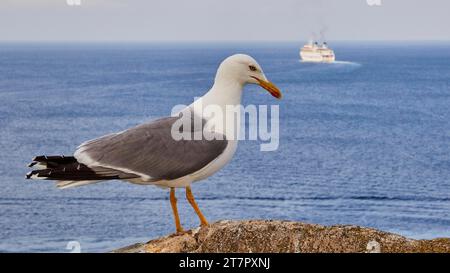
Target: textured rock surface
{"x": 283, "y": 236}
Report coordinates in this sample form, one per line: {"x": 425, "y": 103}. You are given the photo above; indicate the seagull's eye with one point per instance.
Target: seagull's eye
{"x": 252, "y": 67}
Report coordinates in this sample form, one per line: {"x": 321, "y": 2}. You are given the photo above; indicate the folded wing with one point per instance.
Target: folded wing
{"x": 150, "y": 152}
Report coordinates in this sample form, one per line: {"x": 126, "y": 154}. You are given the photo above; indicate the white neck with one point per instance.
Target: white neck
{"x": 222, "y": 94}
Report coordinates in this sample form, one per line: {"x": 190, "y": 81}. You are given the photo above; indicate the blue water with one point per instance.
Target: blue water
{"x": 364, "y": 141}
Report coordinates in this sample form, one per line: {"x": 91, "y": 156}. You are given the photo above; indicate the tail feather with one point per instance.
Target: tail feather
{"x": 69, "y": 172}
{"x": 71, "y": 184}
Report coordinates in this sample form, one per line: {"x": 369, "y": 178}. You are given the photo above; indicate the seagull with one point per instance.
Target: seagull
{"x": 148, "y": 154}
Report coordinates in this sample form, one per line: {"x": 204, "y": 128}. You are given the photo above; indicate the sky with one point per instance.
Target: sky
{"x": 223, "y": 20}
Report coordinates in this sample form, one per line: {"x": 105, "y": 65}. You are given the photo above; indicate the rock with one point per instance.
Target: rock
{"x": 283, "y": 236}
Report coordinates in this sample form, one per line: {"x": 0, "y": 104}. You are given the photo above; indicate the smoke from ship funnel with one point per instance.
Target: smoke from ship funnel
{"x": 322, "y": 32}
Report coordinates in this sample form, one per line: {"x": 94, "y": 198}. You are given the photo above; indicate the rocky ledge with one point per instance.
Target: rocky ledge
{"x": 283, "y": 236}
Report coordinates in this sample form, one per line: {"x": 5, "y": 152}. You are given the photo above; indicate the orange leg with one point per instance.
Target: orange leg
{"x": 173, "y": 202}
{"x": 190, "y": 198}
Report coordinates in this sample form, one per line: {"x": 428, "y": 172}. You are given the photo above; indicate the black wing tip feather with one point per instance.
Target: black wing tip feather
{"x": 55, "y": 158}
{"x": 32, "y": 164}
{"x": 52, "y": 161}
{"x": 62, "y": 167}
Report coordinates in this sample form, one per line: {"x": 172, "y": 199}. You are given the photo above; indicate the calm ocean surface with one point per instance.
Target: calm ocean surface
{"x": 364, "y": 141}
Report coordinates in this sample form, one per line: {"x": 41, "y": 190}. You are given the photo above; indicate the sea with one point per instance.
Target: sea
{"x": 362, "y": 141}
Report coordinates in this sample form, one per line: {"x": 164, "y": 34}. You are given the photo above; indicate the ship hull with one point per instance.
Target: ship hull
{"x": 316, "y": 57}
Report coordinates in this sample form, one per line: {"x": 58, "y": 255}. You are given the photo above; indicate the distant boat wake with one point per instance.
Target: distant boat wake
{"x": 333, "y": 63}
{"x": 345, "y": 63}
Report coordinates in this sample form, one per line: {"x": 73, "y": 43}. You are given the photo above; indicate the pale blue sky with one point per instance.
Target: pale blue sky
{"x": 192, "y": 20}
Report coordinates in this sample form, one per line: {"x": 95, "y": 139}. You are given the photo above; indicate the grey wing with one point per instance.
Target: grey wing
{"x": 150, "y": 151}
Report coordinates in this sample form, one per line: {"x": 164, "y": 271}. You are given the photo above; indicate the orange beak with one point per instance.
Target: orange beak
{"x": 273, "y": 90}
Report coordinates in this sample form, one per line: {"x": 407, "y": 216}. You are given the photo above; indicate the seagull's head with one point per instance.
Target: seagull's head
{"x": 243, "y": 69}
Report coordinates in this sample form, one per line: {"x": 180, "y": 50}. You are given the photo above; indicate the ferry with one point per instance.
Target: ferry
{"x": 313, "y": 52}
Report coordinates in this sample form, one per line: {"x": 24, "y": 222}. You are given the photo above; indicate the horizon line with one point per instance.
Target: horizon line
{"x": 220, "y": 41}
